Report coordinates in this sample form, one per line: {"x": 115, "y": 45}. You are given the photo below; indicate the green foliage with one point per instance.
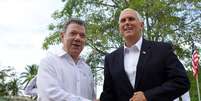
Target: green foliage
{"x": 3, "y": 76}
{"x": 30, "y": 73}
{"x": 9, "y": 83}
{"x": 13, "y": 87}
{"x": 15, "y": 98}
{"x": 193, "y": 89}
{"x": 52, "y": 39}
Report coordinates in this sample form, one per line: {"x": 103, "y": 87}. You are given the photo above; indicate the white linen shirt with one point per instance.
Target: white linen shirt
{"x": 60, "y": 79}
{"x": 131, "y": 57}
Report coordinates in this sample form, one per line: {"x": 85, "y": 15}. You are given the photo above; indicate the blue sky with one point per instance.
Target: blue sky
{"x": 23, "y": 27}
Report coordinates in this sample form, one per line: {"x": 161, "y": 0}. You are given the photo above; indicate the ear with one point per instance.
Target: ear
{"x": 62, "y": 36}
{"x": 142, "y": 24}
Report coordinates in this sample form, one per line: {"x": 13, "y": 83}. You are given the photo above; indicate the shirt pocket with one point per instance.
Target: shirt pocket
{"x": 85, "y": 76}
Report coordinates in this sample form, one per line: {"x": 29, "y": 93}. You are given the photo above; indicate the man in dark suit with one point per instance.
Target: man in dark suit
{"x": 142, "y": 70}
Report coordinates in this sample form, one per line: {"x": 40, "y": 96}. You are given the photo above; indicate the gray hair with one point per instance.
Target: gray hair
{"x": 139, "y": 17}
{"x": 138, "y": 14}
{"x": 73, "y": 20}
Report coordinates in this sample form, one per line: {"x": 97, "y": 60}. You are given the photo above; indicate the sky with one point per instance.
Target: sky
{"x": 23, "y": 28}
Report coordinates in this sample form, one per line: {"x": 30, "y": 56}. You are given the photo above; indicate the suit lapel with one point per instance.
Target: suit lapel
{"x": 144, "y": 54}
{"x": 123, "y": 74}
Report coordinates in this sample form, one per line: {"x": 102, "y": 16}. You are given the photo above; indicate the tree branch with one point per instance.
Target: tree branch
{"x": 126, "y": 2}
{"x": 115, "y": 3}
{"x": 193, "y": 20}
{"x": 100, "y": 51}
{"x": 103, "y": 4}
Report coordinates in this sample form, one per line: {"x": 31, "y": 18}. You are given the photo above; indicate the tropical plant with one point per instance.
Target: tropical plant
{"x": 9, "y": 84}
{"x": 13, "y": 87}
{"x": 3, "y": 76}
{"x": 30, "y": 73}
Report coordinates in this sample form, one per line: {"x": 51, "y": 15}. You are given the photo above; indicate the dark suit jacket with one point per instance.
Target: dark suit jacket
{"x": 160, "y": 75}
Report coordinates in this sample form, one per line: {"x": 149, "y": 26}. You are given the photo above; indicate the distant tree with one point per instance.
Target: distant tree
{"x": 9, "y": 82}
{"x": 13, "y": 87}
{"x": 3, "y": 76}
{"x": 30, "y": 73}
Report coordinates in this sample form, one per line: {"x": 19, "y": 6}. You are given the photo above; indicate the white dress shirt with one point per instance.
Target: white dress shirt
{"x": 184, "y": 97}
{"x": 131, "y": 57}
{"x": 60, "y": 79}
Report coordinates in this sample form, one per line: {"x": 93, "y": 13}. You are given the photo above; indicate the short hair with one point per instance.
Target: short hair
{"x": 139, "y": 17}
{"x": 137, "y": 13}
{"x": 73, "y": 20}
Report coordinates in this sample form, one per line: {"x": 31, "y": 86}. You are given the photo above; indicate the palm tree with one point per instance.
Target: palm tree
{"x": 30, "y": 73}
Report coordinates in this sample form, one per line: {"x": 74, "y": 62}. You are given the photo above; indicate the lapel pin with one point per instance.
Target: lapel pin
{"x": 143, "y": 52}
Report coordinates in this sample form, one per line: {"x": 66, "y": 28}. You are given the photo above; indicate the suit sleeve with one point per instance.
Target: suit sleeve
{"x": 176, "y": 83}
{"x": 108, "y": 92}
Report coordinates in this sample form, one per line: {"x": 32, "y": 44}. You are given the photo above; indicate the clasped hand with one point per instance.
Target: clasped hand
{"x": 138, "y": 96}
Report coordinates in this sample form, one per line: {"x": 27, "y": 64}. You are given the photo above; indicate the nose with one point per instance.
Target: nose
{"x": 77, "y": 37}
{"x": 126, "y": 21}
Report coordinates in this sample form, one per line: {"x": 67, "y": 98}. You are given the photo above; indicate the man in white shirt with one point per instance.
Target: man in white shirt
{"x": 63, "y": 75}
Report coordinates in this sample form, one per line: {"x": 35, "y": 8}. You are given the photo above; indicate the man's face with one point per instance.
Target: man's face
{"x": 129, "y": 25}
{"x": 74, "y": 39}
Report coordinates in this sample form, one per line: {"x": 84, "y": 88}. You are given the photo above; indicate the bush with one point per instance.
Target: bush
{"x": 15, "y": 98}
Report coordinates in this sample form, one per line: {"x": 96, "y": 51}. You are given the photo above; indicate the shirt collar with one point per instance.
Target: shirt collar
{"x": 60, "y": 52}
{"x": 137, "y": 45}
